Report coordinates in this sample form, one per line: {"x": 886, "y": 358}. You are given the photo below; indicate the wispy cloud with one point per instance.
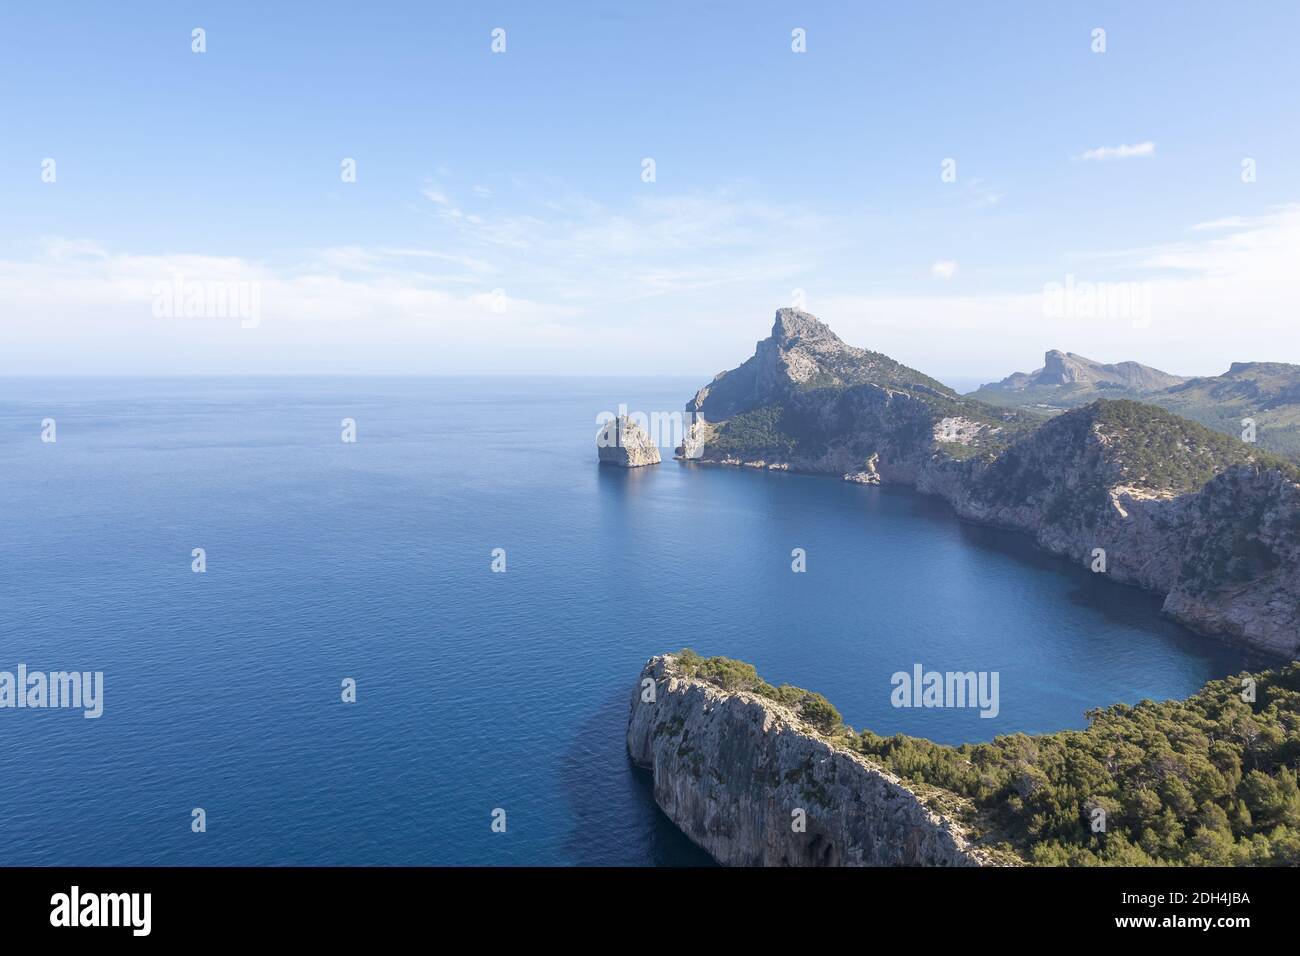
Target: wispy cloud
{"x": 1227, "y": 222}
{"x": 560, "y": 280}
{"x": 578, "y": 250}
{"x": 414, "y": 262}
{"x": 944, "y": 269}
{"x": 983, "y": 194}
{"x": 1123, "y": 151}
{"x": 342, "y": 309}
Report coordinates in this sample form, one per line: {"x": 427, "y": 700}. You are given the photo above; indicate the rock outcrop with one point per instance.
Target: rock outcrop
{"x": 739, "y": 773}
{"x": 1125, "y": 488}
{"x": 624, "y": 443}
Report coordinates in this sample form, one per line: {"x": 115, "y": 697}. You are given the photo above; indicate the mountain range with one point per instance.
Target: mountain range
{"x": 1266, "y": 394}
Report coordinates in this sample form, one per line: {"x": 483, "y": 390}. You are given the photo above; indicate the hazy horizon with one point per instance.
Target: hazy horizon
{"x": 962, "y": 383}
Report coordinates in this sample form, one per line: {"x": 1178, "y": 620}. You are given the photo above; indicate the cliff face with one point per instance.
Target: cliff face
{"x": 1195, "y": 515}
{"x": 734, "y": 770}
{"x": 1226, "y": 553}
{"x": 1240, "y": 574}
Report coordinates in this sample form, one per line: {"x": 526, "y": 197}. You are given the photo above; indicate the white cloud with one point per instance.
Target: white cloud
{"x": 944, "y": 269}
{"x": 68, "y": 312}
{"x": 1123, "y": 151}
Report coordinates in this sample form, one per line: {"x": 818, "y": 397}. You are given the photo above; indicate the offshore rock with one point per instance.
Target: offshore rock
{"x": 624, "y": 443}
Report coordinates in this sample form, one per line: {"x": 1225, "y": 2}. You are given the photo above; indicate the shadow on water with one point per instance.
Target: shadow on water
{"x": 1125, "y": 605}
{"x": 617, "y": 482}
{"x": 616, "y": 821}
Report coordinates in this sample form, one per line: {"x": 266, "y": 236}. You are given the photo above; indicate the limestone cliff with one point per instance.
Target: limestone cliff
{"x": 739, "y": 772}
{"x": 763, "y": 774}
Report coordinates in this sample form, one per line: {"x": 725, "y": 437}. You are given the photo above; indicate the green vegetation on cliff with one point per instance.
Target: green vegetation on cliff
{"x": 779, "y": 432}
{"x": 852, "y": 366}
{"x": 1161, "y": 451}
{"x": 1072, "y": 461}
{"x": 1206, "y": 781}
{"x": 758, "y": 433}
{"x": 733, "y": 675}
{"x": 1266, "y": 392}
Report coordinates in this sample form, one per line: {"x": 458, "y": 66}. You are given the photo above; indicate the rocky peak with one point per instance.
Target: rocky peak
{"x": 794, "y": 327}
{"x": 802, "y": 354}
{"x": 1057, "y": 370}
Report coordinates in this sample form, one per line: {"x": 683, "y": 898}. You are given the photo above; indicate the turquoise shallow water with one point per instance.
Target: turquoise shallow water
{"x": 475, "y": 690}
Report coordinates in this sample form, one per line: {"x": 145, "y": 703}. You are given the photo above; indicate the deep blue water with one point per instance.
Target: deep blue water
{"x": 475, "y": 690}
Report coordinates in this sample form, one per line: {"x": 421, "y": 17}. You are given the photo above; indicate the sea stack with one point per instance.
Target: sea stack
{"x": 624, "y": 443}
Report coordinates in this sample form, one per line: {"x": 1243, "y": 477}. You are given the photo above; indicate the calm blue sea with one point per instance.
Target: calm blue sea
{"x": 476, "y": 690}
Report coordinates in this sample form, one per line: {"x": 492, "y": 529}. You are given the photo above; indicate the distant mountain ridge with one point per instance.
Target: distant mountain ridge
{"x": 1265, "y": 393}
{"x": 1204, "y": 518}
{"x": 1067, "y": 369}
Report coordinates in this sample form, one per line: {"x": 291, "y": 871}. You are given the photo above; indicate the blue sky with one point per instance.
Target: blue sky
{"x": 499, "y": 222}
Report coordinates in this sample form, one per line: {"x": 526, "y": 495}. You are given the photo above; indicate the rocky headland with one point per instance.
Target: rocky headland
{"x": 1125, "y": 488}
{"x": 754, "y": 782}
